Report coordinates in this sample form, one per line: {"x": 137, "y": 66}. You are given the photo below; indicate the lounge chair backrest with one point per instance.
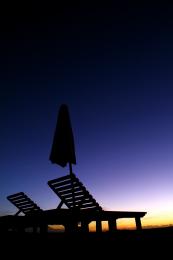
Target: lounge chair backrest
{"x": 73, "y": 193}
{"x": 23, "y": 203}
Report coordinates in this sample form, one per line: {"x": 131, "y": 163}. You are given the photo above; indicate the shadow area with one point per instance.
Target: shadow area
{"x": 133, "y": 243}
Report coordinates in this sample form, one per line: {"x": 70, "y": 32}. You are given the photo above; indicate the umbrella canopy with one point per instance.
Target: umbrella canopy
{"x": 63, "y": 150}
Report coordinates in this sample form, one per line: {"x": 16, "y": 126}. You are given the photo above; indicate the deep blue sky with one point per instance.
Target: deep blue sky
{"x": 112, "y": 66}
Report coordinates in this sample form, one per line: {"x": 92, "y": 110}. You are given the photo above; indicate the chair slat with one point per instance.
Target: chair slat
{"x": 23, "y": 202}
{"x": 73, "y": 193}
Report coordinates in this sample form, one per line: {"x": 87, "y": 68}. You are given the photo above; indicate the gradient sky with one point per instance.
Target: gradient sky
{"x": 112, "y": 65}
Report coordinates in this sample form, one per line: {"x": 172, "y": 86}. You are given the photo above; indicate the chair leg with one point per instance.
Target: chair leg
{"x": 43, "y": 229}
{"x": 71, "y": 227}
{"x": 84, "y": 226}
{"x": 21, "y": 230}
{"x": 98, "y": 226}
{"x": 112, "y": 225}
{"x": 34, "y": 229}
{"x": 138, "y": 223}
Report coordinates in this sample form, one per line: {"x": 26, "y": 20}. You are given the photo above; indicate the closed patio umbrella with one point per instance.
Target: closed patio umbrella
{"x": 63, "y": 149}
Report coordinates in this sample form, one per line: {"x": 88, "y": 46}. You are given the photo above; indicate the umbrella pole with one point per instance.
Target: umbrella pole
{"x": 71, "y": 173}
{"x": 70, "y": 168}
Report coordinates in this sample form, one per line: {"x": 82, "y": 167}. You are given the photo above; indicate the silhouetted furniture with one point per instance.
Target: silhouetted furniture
{"x": 30, "y": 210}
{"x": 23, "y": 203}
{"x": 84, "y": 208}
{"x": 81, "y": 209}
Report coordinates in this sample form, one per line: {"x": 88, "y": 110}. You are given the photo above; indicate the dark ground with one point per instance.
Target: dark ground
{"x": 157, "y": 243}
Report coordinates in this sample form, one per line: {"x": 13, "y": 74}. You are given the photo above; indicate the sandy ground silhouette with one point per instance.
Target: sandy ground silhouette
{"x": 136, "y": 244}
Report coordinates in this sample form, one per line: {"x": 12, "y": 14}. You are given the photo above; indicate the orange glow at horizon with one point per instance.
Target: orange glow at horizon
{"x": 157, "y": 219}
